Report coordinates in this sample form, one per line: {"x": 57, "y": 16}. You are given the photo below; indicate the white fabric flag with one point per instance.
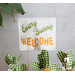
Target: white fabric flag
{"x": 37, "y": 33}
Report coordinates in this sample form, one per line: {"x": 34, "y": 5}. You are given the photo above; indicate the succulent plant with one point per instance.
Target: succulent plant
{"x": 43, "y": 61}
{"x": 13, "y": 63}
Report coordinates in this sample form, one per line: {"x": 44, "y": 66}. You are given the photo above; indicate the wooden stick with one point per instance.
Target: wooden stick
{"x": 49, "y": 64}
{"x": 28, "y": 60}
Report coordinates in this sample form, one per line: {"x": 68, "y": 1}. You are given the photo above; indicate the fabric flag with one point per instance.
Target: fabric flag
{"x": 37, "y": 33}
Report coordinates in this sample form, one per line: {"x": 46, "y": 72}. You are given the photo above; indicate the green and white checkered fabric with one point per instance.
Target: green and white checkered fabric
{"x": 73, "y": 64}
{"x": 66, "y": 60}
{"x": 69, "y": 60}
{"x": 9, "y": 59}
{"x": 61, "y": 55}
{"x": 24, "y": 67}
{"x": 43, "y": 61}
{"x": 35, "y": 65}
{"x": 13, "y": 67}
{"x": 13, "y": 63}
{"x": 54, "y": 67}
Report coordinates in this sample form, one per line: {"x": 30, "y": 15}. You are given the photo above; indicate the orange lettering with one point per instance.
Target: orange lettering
{"x": 41, "y": 39}
{"x": 23, "y": 41}
{"x": 51, "y": 41}
{"x": 28, "y": 41}
{"x": 46, "y": 42}
{"x": 35, "y": 42}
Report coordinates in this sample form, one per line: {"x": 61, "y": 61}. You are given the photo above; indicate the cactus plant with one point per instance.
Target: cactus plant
{"x": 14, "y": 63}
{"x": 24, "y": 67}
{"x": 54, "y": 67}
{"x": 61, "y": 55}
{"x": 9, "y": 59}
{"x": 43, "y": 61}
{"x": 66, "y": 60}
{"x": 69, "y": 61}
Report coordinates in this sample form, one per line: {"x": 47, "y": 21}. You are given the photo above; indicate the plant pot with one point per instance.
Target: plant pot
{"x": 47, "y": 69}
{"x": 67, "y": 70}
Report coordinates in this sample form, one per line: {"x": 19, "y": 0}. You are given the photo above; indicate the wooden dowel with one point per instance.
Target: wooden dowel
{"x": 28, "y": 60}
{"x": 49, "y": 64}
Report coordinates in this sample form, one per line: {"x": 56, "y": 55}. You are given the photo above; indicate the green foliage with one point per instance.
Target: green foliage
{"x": 54, "y": 67}
{"x": 1, "y": 20}
{"x": 8, "y": 7}
{"x": 43, "y": 61}
{"x": 14, "y": 63}
{"x": 16, "y": 7}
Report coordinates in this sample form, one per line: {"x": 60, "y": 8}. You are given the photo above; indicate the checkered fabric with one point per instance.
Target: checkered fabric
{"x": 61, "y": 55}
{"x": 35, "y": 65}
{"x": 9, "y": 59}
{"x": 43, "y": 61}
{"x": 13, "y": 67}
{"x": 24, "y": 67}
{"x": 18, "y": 68}
{"x": 13, "y": 63}
{"x": 73, "y": 64}
{"x": 18, "y": 59}
{"x": 54, "y": 67}
{"x": 70, "y": 61}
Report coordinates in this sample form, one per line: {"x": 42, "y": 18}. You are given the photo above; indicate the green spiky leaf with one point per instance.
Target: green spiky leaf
{"x": 18, "y": 68}
{"x": 24, "y": 67}
{"x": 73, "y": 64}
{"x": 8, "y": 61}
{"x": 14, "y": 67}
{"x": 35, "y": 65}
{"x": 18, "y": 59}
{"x": 61, "y": 55}
{"x": 70, "y": 60}
{"x": 43, "y": 59}
{"x": 54, "y": 67}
